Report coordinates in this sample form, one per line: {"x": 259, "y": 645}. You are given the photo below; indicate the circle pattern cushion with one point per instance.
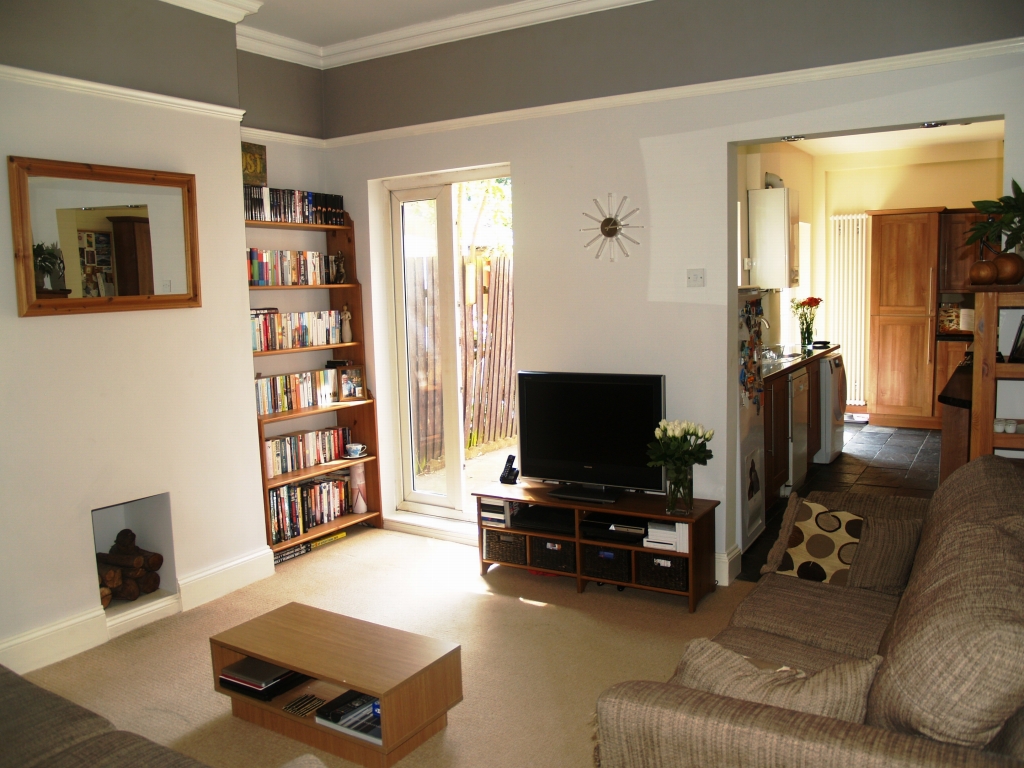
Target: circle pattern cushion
{"x": 822, "y": 544}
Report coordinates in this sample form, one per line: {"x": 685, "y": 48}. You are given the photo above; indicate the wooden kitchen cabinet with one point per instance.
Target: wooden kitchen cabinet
{"x": 948, "y": 355}
{"x": 955, "y": 258}
{"x": 902, "y": 378}
{"x": 776, "y": 437}
{"x": 814, "y": 405}
{"x": 904, "y": 262}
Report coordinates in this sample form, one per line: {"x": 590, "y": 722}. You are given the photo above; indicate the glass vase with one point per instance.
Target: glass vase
{"x": 807, "y": 333}
{"x": 680, "y": 492}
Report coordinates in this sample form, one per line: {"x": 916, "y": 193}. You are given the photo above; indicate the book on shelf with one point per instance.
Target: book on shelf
{"x": 300, "y": 450}
{"x": 354, "y": 713}
{"x": 292, "y": 552}
{"x": 288, "y": 391}
{"x": 275, "y": 268}
{"x": 293, "y": 205}
{"x": 298, "y": 508}
{"x": 273, "y": 330}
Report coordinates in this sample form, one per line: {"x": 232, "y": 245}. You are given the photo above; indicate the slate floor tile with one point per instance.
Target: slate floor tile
{"x": 872, "y": 428}
{"x": 873, "y": 490}
{"x": 882, "y": 476}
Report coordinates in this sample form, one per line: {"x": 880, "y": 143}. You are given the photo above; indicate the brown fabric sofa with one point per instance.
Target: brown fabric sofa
{"x": 39, "y": 729}
{"x": 950, "y": 688}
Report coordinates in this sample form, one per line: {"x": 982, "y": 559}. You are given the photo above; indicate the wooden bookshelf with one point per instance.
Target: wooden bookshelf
{"x": 360, "y": 416}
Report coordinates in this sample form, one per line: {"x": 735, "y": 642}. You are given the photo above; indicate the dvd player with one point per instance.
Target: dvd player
{"x": 605, "y": 526}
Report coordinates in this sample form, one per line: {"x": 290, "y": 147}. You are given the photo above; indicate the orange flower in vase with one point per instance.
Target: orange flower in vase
{"x": 804, "y": 312}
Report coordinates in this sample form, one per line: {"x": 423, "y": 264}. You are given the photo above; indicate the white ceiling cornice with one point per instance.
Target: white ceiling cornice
{"x": 461, "y": 27}
{"x": 228, "y": 10}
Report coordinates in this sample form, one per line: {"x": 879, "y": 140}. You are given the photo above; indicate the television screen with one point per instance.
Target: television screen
{"x": 590, "y": 428}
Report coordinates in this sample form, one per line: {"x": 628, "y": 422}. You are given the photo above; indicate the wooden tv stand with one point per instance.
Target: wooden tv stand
{"x": 695, "y": 568}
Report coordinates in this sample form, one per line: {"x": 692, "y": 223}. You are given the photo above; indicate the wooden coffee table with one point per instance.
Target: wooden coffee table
{"x": 417, "y": 679}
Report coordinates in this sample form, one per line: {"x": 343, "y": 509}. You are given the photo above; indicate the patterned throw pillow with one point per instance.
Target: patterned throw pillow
{"x": 821, "y": 545}
{"x": 839, "y": 691}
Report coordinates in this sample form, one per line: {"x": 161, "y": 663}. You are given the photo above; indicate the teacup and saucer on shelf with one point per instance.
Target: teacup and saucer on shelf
{"x": 355, "y": 450}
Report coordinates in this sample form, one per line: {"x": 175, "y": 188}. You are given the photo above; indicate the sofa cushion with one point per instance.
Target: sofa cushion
{"x": 36, "y": 724}
{"x": 954, "y": 669}
{"x": 840, "y": 691}
{"x": 834, "y": 618}
{"x": 885, "y": 554}
{"x": 822, "y": 544}
{"x": 778, "y": 650}
{"x": 119, "y": 749}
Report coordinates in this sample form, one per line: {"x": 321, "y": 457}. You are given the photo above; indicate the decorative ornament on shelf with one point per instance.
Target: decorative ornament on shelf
{"x": 1005, "y": 216}
{"x": 804, "y": 311}
{"x": 678, "y": 445}
{"x": 611, "y": 228}
{"x": 49, "y": 266}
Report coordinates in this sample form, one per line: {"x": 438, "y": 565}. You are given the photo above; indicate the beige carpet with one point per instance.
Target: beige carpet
{"x": 531, "y": 671}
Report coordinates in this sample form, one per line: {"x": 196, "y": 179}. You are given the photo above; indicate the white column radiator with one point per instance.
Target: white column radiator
{"x": 848, "y": 298}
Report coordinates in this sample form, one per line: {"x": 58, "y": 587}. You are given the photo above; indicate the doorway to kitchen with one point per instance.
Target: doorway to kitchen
{"x": 453, "y": 276}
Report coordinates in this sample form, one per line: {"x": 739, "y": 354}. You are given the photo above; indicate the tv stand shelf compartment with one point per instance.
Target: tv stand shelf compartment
{"x": 695, "y": 568}
{"x": 358, "y": 415}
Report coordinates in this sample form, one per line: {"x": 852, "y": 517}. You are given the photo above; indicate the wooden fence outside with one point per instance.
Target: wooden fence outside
{"x": 423, "y": 319}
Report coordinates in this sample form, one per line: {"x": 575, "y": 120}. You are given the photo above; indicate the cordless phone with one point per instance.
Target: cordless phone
{"x": 510, "y": 474}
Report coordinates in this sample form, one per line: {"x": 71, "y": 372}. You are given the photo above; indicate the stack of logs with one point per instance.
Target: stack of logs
{"x": 127, "y": 571}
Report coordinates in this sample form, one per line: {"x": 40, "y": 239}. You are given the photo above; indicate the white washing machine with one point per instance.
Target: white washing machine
{"x": 833, "y": 408}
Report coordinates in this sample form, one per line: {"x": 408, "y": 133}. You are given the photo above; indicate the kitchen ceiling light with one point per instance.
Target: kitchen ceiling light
{"x": 793, "y": 138}
{"x": 932, "y": 125}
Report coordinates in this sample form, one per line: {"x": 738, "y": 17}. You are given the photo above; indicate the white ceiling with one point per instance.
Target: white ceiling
{"x": 903, "y": 139}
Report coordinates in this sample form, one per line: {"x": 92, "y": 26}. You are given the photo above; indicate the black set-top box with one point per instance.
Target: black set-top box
{"x": 606, "y": 526}
{"x": 536, "y": 517}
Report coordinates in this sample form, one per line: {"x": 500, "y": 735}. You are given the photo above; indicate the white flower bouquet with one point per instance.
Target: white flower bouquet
{"x": 678, "y": 445}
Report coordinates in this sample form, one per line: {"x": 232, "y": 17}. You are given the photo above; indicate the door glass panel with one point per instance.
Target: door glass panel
{"x": 422, "y": 326}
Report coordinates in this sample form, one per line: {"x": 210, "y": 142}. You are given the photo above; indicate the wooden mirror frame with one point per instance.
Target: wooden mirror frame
{"x": 20, "y": 169}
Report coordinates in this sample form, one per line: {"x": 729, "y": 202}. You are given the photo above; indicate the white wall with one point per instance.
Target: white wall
{"x": 673, "y": 159}
{"x": 105, "y": 408}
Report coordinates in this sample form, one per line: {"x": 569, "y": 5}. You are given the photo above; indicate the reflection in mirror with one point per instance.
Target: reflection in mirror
{"x": 96, "y": 238}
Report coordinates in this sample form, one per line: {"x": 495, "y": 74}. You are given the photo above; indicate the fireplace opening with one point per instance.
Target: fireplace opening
{"x": 134, "y": 546}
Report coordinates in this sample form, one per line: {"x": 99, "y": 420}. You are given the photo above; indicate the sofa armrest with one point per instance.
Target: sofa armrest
{"x": 655, "y": 725}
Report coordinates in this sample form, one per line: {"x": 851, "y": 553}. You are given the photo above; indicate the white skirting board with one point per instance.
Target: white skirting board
{"x": 727, "y": 566}
{"x": 62, "y": 639}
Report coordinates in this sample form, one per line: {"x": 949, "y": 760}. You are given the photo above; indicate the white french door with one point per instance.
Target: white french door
{"x": 426, "y": 300}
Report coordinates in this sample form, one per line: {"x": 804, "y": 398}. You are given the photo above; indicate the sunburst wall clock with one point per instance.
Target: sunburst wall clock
{"x": 611, "y": 228}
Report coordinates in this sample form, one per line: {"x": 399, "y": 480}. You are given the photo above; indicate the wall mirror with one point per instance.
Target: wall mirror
{"x": 95, "y": 238}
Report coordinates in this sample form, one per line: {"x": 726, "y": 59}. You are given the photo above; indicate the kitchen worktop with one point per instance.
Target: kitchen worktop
{"x": 790, "y": 361}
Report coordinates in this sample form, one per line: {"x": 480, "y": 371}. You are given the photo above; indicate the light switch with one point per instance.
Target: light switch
{"x": 166, "y": 285}
{"x": 695, "y": 278}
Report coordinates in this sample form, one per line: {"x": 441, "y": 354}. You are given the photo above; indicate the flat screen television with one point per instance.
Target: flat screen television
{"x": 589, "y": 431}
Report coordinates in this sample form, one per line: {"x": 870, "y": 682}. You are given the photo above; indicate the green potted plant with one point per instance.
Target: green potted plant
{"x": 1005, "y": 217}
{"x": 678, "y": 445}
{"x": 49, "y": 262}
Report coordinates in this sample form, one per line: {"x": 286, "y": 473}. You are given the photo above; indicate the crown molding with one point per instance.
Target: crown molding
{"x": 831, "y": 72}
{"x": 60, "y": 82}
{"x": 258, "y": 136}
{"x": 228, "y": 10}
{"x": 460, "y": 27}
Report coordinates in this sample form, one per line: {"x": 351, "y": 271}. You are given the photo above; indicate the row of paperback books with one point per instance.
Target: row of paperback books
{"x": 299, "y": 450}
{"x": 278, "y": 394}
{"x": 296, "y": 509}
{"x": 293, "y": 205}
{"x": 290, "y": 330}
{"x": 284, "y": 555}
{"x": 295, "y": 268}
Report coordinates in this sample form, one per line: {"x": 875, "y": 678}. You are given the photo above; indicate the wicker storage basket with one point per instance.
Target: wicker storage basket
{"x": 553, "y": 554}
{"x": 608, "y": 563}
{"x": 505, "y": 547}
{"x": 662, "y": 570}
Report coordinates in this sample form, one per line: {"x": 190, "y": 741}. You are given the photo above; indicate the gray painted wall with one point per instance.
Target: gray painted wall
{"x": 142, "y": 44}
{"x": 281, "y": 96}
{"x": 653, "y": 45}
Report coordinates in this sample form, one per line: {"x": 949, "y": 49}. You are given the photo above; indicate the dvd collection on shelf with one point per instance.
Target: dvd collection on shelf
{"x": 299, "y": 450}
{"x": 288, "y": 391}
{"x": 293, "y": 206}
{"x": 277, "y": 268}
{"x": 273, "y": 330}
{"x": 354, "y": 713}
{"x": 305, "y": 547}
{"x": 295, "y": 509}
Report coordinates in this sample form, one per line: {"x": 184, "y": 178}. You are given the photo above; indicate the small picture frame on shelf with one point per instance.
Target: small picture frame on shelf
{"x": 336, "y": 268}
{"x": 350, "y": 383}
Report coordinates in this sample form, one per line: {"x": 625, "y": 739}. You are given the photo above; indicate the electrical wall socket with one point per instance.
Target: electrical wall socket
{"x": 695, "y": 278}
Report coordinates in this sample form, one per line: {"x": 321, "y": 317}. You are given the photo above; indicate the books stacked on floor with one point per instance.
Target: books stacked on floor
{"x": 670, "y": 536}
{"x": 494, "y": 512}
{"x": 279, "y": 394}
{"x": 299, "y": 450}
{"x": 305, "y": 547}
{"x": 259, "y": 679}
{"x": 298, "y": 508}
{"x": 291, "y": 330}
{"x": 293, "y": 205}
{"x": 354, "y": 713}
{"x": 295, "y": 268}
